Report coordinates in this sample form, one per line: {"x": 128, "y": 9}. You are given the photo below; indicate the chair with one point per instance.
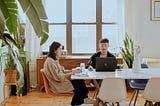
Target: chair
{"x": 152, "y": 92}
{"x": 137, "y": 84}
{"x": 112, "y": 90}
{"x": 47, "y": 87}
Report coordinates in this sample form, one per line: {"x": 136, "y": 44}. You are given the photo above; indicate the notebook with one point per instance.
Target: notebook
{"x": 107, "y": 64}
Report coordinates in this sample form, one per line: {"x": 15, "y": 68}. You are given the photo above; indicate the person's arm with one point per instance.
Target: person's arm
{"x": 90, "y": 62}
{"x": 71, "y": 72}
{"x": 67, "y": 71}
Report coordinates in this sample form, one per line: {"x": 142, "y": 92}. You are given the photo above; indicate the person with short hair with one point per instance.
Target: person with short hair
{"x": 103, "y": 52}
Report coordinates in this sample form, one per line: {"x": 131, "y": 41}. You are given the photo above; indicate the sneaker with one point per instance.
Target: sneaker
{"x": 89, "y": 101}
{"x": 92, "y": 85}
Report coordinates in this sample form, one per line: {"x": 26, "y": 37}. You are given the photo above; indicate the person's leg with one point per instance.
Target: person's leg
{"x": 80, "y": 92}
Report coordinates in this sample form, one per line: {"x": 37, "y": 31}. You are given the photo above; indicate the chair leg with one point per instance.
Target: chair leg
{"x": 136, "y": 98}
{"x": 157, "y": 104}
{"x": 132, "y": 97}
{"x": 96, "y": 103}
{"x": 118, "y": 104}
{"x": 149, "y": 103}
{"x": 146, "y": 103}
{"x": 103, "y": 104}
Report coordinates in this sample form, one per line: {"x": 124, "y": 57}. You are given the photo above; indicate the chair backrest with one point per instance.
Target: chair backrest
{"x": 152, "y": 90}
{"x": 141, "y": 81}
{"x": 144, "y": 66}
{"x": 112, "y": 90}
{"x": 47, "y": 87}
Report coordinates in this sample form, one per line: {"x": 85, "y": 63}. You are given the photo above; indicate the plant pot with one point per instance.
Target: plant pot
{"x": 10, "y": 75}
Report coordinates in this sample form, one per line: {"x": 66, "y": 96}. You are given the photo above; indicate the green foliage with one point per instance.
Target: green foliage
{"x": 128, "y": 51}
{"x": 9, "y": 40}
{"x": 9, "y": 10}
{"x": 35, "y": 12}
{"x": 2, "y": 24}
{"x": 9, "y": 61}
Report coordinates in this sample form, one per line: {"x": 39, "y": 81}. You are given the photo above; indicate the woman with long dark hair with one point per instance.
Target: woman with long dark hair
{"x": 59, "y": 79}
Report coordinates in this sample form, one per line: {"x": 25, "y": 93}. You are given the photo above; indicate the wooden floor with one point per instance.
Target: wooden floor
{"x": 37, "y": 98}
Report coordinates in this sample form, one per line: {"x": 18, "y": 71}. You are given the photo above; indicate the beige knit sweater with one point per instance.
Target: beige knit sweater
{"x": 55, "y": 74}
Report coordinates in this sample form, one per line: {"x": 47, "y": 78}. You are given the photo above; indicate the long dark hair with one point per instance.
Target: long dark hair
{"x": 54, "y": 46}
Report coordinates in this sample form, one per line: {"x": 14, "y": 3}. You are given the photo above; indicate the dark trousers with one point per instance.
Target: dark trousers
{"x": 80, "y": 92}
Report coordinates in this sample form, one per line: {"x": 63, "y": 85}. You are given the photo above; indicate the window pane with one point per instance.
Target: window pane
{"x": 83, "y": 38}
{"x": 83, "y": 10}
{"x": 56, "y": 33}
{"x": 111, "y": 32}
{"x": 109, "y": 10}
{"x": 56, "y": 10}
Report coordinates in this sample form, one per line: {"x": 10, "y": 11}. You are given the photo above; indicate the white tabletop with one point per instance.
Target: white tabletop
{"x": 125, "y": 73}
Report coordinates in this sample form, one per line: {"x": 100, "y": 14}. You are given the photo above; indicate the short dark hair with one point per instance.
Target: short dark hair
{"x": 54, "y": 46}
{"x": 104, "y": 40}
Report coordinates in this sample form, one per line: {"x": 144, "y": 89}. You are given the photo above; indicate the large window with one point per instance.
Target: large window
{"x": 79, "y": 24}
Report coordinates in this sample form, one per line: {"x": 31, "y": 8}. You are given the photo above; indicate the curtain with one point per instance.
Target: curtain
{"x": 33, "y": 49}
{"x": 32, "y": 43}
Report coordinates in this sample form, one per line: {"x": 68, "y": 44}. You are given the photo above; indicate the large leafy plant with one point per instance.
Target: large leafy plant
{"x": 127, "y": 51}
{"x": 9, "y": 18}
{"x": 35, "y": 12}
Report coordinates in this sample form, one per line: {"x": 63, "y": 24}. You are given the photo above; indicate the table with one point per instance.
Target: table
{"x": 123, "y": 73}
{"x": 69, "y": 62}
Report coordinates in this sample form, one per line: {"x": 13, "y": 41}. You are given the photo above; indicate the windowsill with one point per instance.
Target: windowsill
{"x": 72, "y": 56}
{"x": 77, "y": 56}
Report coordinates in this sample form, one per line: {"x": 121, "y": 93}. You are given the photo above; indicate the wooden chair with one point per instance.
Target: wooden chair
{"x": 47, "y": 87}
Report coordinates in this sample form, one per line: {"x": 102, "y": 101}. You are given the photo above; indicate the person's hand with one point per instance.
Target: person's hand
{"x": 73, "y": 71}
{"x": 76, "y": 70}
{"x": 68, "y": 76}
{"x": 90, "y": 68}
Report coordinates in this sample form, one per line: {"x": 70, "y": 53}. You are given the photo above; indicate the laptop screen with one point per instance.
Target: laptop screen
{"x": 107, "y": 64}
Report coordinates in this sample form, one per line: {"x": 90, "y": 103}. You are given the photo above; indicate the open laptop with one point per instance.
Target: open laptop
{"x": 106, "y": 64}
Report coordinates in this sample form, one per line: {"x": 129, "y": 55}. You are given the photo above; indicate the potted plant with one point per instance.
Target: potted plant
{"x": 10, "y": 67}
{"x": 127, "y": 51}
{"x": 9, "y": 19}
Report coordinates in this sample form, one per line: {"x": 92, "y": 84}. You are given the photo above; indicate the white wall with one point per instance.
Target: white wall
{"x": 1, "y": 86}
{"x": 1, "y": 92}
{"x": 145, "y": 32}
